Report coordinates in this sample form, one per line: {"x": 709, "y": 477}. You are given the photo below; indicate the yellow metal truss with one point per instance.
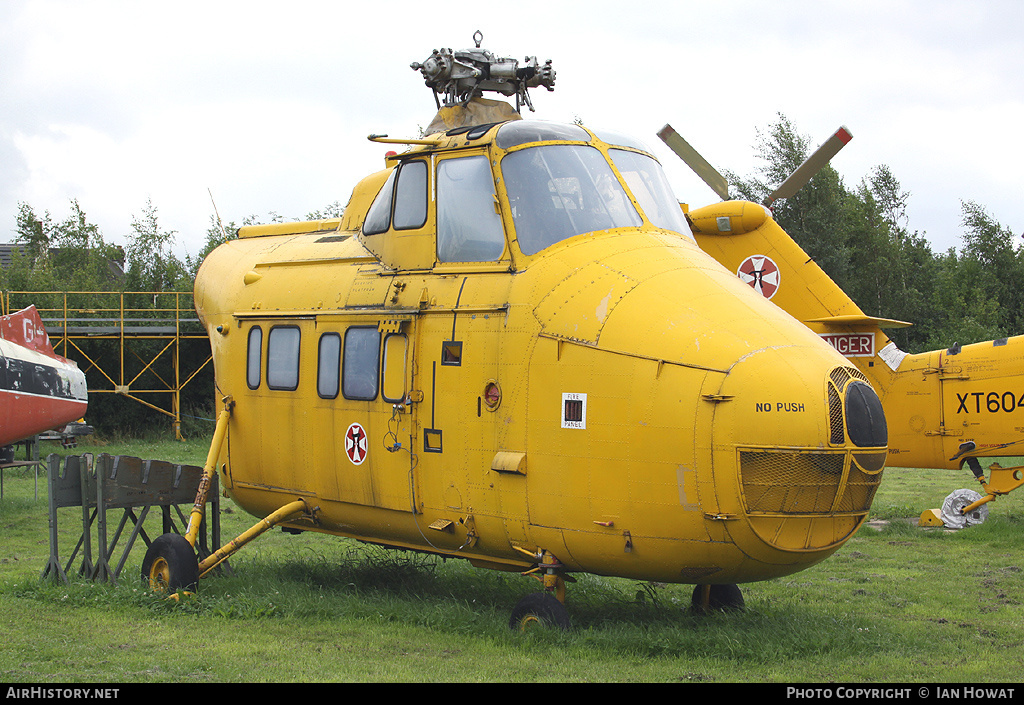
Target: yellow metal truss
{"x": 127, "y": 317}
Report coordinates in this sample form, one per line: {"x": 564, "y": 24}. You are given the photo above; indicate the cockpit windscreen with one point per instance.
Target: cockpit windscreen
{"x": 646, "y": 179}
{"x": 563, "y": 190}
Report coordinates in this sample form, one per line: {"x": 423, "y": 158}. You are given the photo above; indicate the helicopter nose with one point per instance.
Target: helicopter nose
{"x": 807, "y": 478}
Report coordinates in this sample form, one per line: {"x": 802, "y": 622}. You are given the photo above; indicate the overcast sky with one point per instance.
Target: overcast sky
{"x": 268, "y": 104}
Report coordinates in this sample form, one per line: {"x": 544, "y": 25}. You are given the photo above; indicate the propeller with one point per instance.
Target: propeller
{"x": 790, "y": 186}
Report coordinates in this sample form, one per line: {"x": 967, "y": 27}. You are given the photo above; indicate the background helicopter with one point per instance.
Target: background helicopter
{"x": 944, "y": 408}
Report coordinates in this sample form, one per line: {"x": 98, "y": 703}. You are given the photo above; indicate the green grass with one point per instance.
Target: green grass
{"x": 897, "y": 604}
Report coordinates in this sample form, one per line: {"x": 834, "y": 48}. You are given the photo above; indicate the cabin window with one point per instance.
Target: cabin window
{"x": 283, "y": 358}
{"x": 378, "y": 218}
{"x": 645, "y": 178}
{"x": 254, "y": 358}
{"x": 563, "y": 190}
{"x": 393, "y": 374}
{"x": 328, "y": 365}
{"x": 411, "y": 196}
{"x": 360, "y": 363}
{"x": 469, "y": 227}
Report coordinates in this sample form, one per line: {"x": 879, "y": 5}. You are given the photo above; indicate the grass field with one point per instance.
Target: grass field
{"x": 895, "y": 604}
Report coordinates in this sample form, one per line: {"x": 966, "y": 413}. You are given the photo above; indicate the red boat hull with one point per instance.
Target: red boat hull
{"x": 23, "y": 416}
{"x": 39, "y": 390}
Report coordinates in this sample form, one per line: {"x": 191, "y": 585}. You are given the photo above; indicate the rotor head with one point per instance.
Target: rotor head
{"x": 456, "y": 77}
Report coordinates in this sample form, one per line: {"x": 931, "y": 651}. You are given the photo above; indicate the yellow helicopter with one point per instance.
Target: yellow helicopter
{"x": 510, "y": 349}
{"x": 944, "y": 408}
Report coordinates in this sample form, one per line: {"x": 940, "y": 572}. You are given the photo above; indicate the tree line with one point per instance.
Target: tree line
{"x": 71, "y": 254}
{"x": 860, "y": 236}
{"x": 79, "y": 268}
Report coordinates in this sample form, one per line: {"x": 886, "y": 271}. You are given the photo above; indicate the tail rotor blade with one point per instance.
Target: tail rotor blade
{"x": 695, "y": 161}
{"x": 811, "y": 166}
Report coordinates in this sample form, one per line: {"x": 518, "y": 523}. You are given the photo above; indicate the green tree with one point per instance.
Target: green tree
{"x": 820, "y": 216}
{"x": 332, "y": 210}
{"x": 965, "y": 313}
{"x": 69, "y": 255}
{"x": 152, "y": 264}
{"x": 34, "y": 231}
{"x": 992, "y": 264}
{"x": 893, "y": 270}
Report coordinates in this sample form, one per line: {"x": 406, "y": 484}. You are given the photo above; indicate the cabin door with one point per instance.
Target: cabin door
{"x": 364, "y": 414}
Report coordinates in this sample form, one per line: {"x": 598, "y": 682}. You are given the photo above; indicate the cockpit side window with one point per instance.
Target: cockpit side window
{"x": 378, "y": 218}
{"x": 645, "y": 178}
{"x": 559, "y": 191}
{"x": 469, "y": 228}
{"x": 411, "y": 196}
{"x": 406, "y": 190}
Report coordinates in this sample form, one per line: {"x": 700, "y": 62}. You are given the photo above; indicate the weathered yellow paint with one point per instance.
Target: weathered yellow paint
{"x": 616, "y": 401}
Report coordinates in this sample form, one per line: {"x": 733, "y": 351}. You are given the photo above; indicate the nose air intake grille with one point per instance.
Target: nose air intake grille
{"x": 790, "y": 483}
{"x": 838, "y": 379}
{"x": 806, "y": 501}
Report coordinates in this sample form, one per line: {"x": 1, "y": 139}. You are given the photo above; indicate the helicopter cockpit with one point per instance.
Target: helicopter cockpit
{"x": 558, "y": 191}
{"x": 551, "y": 181}
{"x": 489, "y": 189}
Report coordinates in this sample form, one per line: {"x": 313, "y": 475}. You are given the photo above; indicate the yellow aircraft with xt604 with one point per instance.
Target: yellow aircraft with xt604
{"x": 511, "y": 350}
{"x": 944, "y": 408}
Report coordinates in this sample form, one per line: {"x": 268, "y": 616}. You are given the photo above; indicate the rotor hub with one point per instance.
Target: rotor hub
{"x": 461, "y": 75}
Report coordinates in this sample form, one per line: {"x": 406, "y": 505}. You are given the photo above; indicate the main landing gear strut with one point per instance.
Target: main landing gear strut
{"x": 547, "y": 608}
{"x": 171, "y": 565}
{"x": 965, "y": 507}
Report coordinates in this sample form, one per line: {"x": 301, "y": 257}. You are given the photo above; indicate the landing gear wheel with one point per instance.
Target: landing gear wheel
{"x": 170, "y": 565}
{"x": 539, "y": 609}
{"x": 722, "y": 598}
{"x": 952, "y": 510}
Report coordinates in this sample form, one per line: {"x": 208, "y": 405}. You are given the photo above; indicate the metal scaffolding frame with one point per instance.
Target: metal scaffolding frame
{"x": 75, "y": 316}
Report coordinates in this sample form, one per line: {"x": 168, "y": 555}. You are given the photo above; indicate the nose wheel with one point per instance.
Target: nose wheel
{"x": 721, "y": 598}
{"x": 542, "y": 609}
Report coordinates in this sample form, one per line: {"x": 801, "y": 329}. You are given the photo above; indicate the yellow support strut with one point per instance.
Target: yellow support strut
{"x": 285, "y": 513}
{"x": 196, "y": 518}
{"x": 1001, "y": 481}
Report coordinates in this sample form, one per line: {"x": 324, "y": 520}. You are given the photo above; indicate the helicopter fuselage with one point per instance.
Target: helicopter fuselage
{"x": 511, "y": 344}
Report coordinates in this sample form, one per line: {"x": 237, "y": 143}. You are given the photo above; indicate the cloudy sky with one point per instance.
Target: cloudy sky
{"x": 268, "y": 104}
